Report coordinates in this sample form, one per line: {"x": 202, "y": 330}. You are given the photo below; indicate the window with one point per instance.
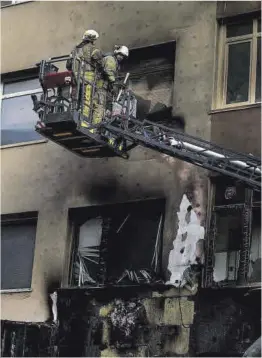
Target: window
{"x": 13, "y": 2}
{"x": 151, "y": 78}
{"x": 233, "y": 242}
{"x": 17, "y": 116}
{"x": 228, "y": 244}
{"x": 17, "y": 252}
{"x": 118, "y": 245}
{"x": 239, "y": 74}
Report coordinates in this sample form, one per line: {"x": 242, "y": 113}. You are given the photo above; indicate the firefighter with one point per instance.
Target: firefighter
{"x": 91, "y": 56}
{"x": 105, "y": 84}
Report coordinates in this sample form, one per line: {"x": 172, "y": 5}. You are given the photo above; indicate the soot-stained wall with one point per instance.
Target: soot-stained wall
{"x": 226, "y": 322}
{"x": 122, "y": 322}
{"x": 48, "y": 179}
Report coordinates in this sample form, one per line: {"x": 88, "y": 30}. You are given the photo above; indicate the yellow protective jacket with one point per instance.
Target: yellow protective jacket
{"x": 88, "y": 53}
{"x": 91, "y": 55}
{"x": 107, "y": 72}
{"x": 110, "y": 68}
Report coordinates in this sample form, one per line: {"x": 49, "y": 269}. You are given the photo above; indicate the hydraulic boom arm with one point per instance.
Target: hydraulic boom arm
{"x": 61, "y": 117}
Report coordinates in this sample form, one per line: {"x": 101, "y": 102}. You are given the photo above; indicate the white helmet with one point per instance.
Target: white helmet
{"x": 90, "y": 35}
{"x": 122, "y": 50}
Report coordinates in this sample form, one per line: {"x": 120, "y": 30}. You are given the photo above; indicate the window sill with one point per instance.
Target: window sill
{"x": 235, "y": 108}
{"x": 23, "y": 144}
{"x": 16, "y": 290}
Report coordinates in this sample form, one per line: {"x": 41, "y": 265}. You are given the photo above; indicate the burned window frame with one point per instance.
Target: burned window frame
{"x": 146, "y": 63}
{"x": 104, "y": 213}
{"x": 246, "y": 208}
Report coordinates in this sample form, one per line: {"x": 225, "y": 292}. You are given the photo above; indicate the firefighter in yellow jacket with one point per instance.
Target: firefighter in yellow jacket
{"x": 90, "y": 57}
{"x": 105, "y": 83}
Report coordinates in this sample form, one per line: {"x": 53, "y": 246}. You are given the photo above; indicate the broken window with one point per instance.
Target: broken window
{"x": 151, "y": 71}
{"x": 233, "y": 239}
{"x": 120, "y": 244}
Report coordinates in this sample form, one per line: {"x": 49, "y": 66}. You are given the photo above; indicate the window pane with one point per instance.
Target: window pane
{"x": 17, "y": 252}
{"x": 258, "y": 76}
{"x": 5, "y": 3}
{"x": 18, "y": 121}
{"x": 228, "y": 245}
{"x": 240, "y": 29}
{"x": 238, "y": 72}
{"x": 21, "y": 86}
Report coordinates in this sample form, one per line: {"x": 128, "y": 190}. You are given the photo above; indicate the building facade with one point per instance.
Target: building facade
{"x": 203, "y": 60}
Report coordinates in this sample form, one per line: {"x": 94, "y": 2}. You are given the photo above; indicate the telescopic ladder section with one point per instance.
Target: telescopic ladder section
{"x": 245, "y": 168}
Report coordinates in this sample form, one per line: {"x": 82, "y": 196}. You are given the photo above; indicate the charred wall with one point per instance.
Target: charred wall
{"x": 20, "y": 339}
{"x": 133, "y": 321}
{"x": 226, "y": 322}
{"x": 51, "y": 180}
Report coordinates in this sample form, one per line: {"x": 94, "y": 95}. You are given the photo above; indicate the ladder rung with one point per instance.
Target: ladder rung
{"x": 82, "y": 148}
{"x": 90, "y": 150}
{"x": 72, "y": 138}
{"x": 62, "y": 134}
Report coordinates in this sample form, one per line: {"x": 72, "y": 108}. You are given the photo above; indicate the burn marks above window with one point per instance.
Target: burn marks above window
{"x": 150, "y": 60}
{"x": 118, "y": 244}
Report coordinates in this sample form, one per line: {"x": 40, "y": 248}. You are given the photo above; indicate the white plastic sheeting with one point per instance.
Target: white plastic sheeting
{"x": 90, "y": 233}
{"x": 54, "y": 305}
{"x": 88, "y": 249}
{"x": 185, "y": 249}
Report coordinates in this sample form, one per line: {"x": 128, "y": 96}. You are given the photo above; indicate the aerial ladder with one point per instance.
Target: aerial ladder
{"x": 61, "y": 118}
